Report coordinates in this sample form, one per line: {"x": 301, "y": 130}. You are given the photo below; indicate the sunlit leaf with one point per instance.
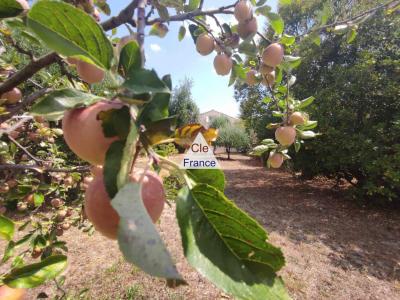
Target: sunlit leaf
{"x": 33, "y": 275}
{"x": 7, "y": 228}
{"x": 70, "y": 32}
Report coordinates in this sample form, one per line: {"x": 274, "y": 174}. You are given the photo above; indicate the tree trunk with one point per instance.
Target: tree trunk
{"x": 228, "y": 150}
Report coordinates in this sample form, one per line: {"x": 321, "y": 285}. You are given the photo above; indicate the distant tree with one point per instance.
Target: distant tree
{"x": 219, "y": 122}
{"x": 183, "y": 105}
{"x": 232, "y": 136}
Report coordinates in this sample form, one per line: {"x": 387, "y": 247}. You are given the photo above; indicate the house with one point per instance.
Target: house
{"x": 207, "y": 117}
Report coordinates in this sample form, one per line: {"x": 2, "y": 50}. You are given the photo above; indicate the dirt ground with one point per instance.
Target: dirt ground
{"x": 333, "y": 248}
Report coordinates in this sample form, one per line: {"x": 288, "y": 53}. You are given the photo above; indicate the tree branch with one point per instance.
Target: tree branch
{"x": 181, "y": 17}
{"x": 141, "y": 24}
{"x": 13, "y": 110}
{"x": 28, "y": 71}
{"x": 41, "y": 170}
{"x": 371, "y": 11}
{"x": 125, "y": 16}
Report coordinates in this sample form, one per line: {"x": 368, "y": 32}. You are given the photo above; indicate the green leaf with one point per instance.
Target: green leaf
{"x": 291, "y": 62}
{"x": 167, "y": 80}
{"x": 162, "y": 12}
{"x": 213, "y": 177}
{"x": 227, "y": 246}
{"x": 138, "y": 238}
{"x": 112, "y": 167}
{"x": 130, "y": 58}
{"x": 287, "y": 40}
{"x": 53, "y": 105}
{"x": 115, "y": 122}
{"x": 276, "y": 22}
{"x": 127, "y": 155}
{"x": 263, "y": 10}
{"x": 71, "y": 32}
{"x": 309, "y": 125}
{"x": 182, "y": 33}
{"x": 305, "y": 135}
{"x": 248, "y": 48}
{"x": 161, "y": 131}
{"x": 193, "y": 5}
{"x": 38, "y": 199}
{"x": 143, "y": 81}
{"x": 8, "y": 252}
{"x": 36, "y": 274}
{"x": 285, "y": 2}
{"x": 159, "y": 29}
{"x": 10, "y": 8}
{"x": 192, "y": 29}
{"x": 7, "y": 228}
{"x": 351, "y": 35}
{"x": 306, "y": 102}
{"x": 156, "y": 109}
{"x": 259, "y": 150}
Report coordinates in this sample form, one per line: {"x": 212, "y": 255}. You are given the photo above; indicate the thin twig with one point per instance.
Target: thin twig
{"x": 371, "y": 11}
{"x": 15, "y": 109}
{"x": 190, "y": 15}
{"x": 41, "y": 170}
{"x": 37, "y": 160}
{"x": 21, "y": 50}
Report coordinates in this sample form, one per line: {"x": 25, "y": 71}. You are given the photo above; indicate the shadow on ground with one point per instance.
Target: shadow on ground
{"x": 310, "y": 211}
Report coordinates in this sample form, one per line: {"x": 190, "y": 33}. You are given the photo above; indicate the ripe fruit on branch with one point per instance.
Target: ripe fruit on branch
{"x": 273, "y": 55}
{"x": 56, "y": 202}
{"x": 285, "y": 135}
{"x": 251, "y": 78}
{"x": 66, "y": 226}
{"x": 12, "y": 96}
{"x": 297, "y": 118}
{"x": 83, "y": 132}
{"x": 12, "y": 183}
{"x": 247, "y": 28}
{"x": 30, "y": 200}
{"x": 103, "y": 216}
{"x": 89, "y": 73}
{"x": 72, "y": 61}
{"x": 275, "y": 160}
{"x": 36, "y": 252}
{"x": 222, "y": 64}
{"x": 204, "y": 44}
{"x": 7, "y": 293}
{"x": 243, "y": 11}
{"x": 4, "y": 188}
{"x": 61, "y": 215}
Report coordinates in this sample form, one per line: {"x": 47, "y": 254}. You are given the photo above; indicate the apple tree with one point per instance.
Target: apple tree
{"x": 109, "y": 124}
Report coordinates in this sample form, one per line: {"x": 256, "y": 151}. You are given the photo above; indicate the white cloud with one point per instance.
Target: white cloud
{"x": 155, "y": 47}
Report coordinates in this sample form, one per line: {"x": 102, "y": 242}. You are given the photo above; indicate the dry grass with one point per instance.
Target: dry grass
{"x": 334, "y": 249}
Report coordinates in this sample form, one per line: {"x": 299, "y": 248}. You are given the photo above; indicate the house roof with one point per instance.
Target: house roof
{"x": 221, "y": 113}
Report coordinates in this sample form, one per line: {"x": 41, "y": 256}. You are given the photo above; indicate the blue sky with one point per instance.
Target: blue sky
{"x": 180, "y": 59}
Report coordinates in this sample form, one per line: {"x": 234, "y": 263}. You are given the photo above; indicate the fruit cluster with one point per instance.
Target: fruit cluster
{"x": 83, "y": 132}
